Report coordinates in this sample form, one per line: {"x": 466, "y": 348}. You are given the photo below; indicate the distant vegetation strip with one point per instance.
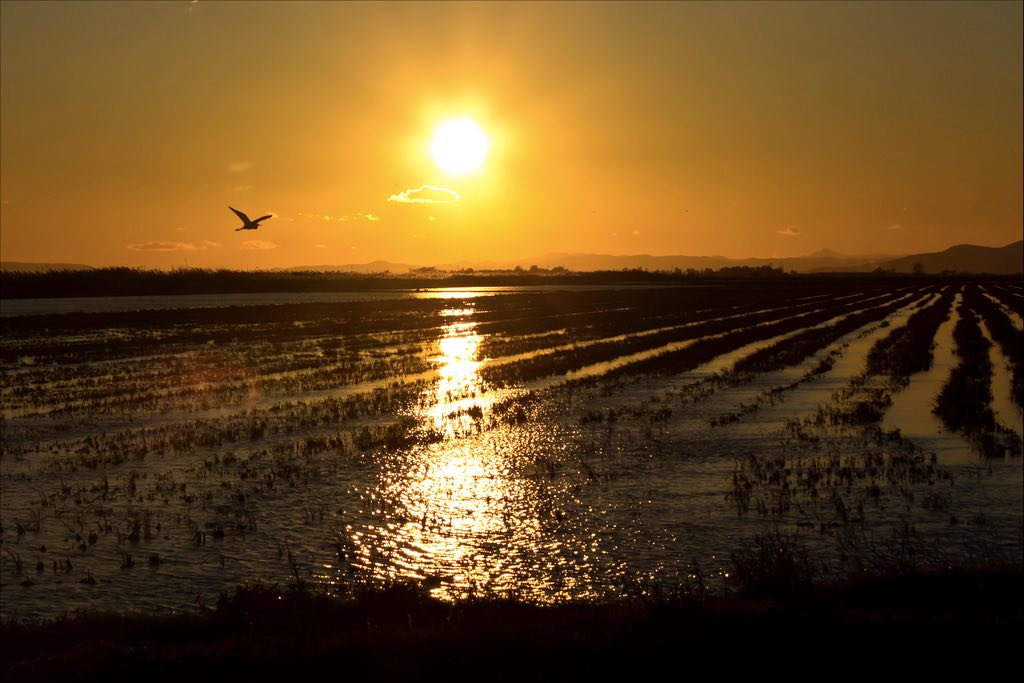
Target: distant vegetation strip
{"x": 138, "y": 282}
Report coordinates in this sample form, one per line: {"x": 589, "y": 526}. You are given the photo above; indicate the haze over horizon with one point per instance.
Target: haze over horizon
{"x": 734, "y": 129}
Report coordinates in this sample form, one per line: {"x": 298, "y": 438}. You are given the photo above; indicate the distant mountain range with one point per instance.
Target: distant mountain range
{"x": 965, "y": 258}
{"x": 961, "y": 258}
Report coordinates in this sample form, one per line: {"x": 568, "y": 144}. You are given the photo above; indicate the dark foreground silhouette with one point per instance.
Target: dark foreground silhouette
{"x": 916, "y": 622}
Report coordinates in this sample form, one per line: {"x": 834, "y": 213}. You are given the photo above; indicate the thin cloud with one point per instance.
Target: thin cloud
{"x": 360, "y": 216}
{"x": 897, "y": 226}
{"x": 327, "y": 218}
{"x": 238, "y": 166}
{"x": 259, "y": 245}
{"x": 320, "y": 246}
{"x": 788, "y": 231}
{"x": 173, "y": 246}
{"x": 426, "y": 194}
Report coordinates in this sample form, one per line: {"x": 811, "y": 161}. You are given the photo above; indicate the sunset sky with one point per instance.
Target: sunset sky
{"x": 694, "y": 128}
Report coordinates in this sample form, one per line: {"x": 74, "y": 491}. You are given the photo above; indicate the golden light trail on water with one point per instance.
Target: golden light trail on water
{"x": 457, "y": 514}
{"x": 471, "y": 509}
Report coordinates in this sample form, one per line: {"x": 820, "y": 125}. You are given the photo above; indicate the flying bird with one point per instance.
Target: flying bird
{"x": 248, "y": 224}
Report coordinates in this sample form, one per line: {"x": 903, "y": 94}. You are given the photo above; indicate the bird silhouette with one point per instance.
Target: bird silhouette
{"x": 249, "y": 224}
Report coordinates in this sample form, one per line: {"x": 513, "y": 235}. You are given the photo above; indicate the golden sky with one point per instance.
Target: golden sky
{"x": 667, "y": 128}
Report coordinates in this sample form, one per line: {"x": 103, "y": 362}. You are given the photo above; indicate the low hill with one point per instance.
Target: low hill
{"x": 965, "y": 258}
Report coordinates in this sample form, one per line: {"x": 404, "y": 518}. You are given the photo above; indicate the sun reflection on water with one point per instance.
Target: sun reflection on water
{"x": 459, "y": 398}
{"x": 460, "y": 507}
{"x": 460, "y": 510}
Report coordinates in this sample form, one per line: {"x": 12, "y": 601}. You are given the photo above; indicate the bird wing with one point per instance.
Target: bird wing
{"x": 245, "y": 219}
{"x": 263, "y": 218}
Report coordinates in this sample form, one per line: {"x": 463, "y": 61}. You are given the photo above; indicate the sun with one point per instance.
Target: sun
{"x": 459, "y": 146}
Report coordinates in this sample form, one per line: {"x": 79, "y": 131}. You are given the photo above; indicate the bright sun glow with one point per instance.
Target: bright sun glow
{"x": 459, "y": 146}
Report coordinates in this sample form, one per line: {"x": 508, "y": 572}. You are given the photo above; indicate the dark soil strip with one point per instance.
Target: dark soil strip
{"x": 795, "y": 349}
{"x": 908, "y": 349}
{"x": 705, "y": 350}
{"x": 1014, "y": 302}
{"x": 1009, "y": 338}
{"x": 964, "y": 404}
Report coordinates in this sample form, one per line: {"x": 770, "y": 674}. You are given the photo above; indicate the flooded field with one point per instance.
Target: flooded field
{"x": 548, "y": 445}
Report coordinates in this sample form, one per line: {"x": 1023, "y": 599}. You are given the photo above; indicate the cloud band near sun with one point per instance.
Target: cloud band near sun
{"x": 173, "y": 246}
{"x": 426, "y": 194}
{"x": 358, "y": 216}
{"x": 259, "y": 245}
{"x": 788, "y": 231}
